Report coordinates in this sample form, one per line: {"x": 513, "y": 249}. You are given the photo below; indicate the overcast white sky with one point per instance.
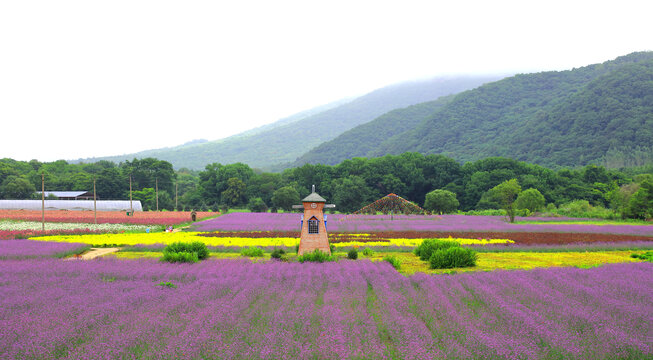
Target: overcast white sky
{"x": 92, "y": 78}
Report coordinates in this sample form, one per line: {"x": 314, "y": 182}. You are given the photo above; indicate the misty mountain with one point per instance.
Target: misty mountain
{"x": 601, "y": 113}
{"x": 361, "y": 140}
{"x": 285, "y": 140}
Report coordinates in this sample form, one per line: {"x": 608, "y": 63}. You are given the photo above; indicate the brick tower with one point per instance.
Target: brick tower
{"x": 314, "y": 232}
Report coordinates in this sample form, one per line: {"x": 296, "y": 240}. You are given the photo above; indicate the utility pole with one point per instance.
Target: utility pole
{"x": 131, "y": 207}
{"x": 156, "y": 184}
{"x": 94, "y": 201}
{"x": 42, "y": 201}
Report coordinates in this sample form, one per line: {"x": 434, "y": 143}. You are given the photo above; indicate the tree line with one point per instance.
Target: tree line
{"x": 350, "y": 184}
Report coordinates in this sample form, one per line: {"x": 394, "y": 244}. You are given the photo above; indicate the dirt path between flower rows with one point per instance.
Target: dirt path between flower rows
{"x": 94, "y": 253}
{"x": 174, "y": 230}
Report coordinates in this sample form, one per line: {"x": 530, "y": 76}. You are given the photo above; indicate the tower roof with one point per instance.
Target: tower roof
{"x": 314, "y": 197}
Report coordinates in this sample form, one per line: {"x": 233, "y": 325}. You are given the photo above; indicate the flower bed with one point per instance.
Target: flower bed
{"x": 167, "y": 238}
{"x": 25, "y": 249}
{"x": 525, "y": 238}
{"x": 25, "y": 234}
{"x": 418, "y": 223}
{"x": 33, "y": 225}
{"x": 342, "y": 310}
{"x": 573, "y": 247}
{"x": 109, "y": 217}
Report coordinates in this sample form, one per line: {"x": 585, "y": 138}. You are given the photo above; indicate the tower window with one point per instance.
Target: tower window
{"x": 313, "y": 226}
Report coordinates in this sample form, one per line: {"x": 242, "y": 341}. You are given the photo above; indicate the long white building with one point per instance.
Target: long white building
{"x": 102, "y": 205}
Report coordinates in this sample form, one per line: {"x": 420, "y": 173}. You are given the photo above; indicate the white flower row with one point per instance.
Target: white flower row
{"x": 33, "y": 225}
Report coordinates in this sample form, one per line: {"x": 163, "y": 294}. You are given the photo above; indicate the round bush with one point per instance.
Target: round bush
{"x": 453, "y": 257}
{"x": 252, "y": 251}
{"x": 197, "y": 247}
{"x": 278, "y": 254}
{"x": 183, "y": 256}
{"x": 352, "y": 254}
{"x": 429, "y": 246}
{"x": 394, "y": 261}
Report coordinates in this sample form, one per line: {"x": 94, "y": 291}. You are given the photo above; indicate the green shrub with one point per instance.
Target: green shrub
{"x": 316, "y": 256}
{"x": 252, "y": 251}
{"x": 167, "y": 284}
{"x": 297, "y": 248}
{"x": 583, "y": 209}
{"x": 332, "y": 248}
{"x": 485, "y": 212}
{"x": 429, "y": 246}
{"x": 394, "y": 261}
{"x": 278, "y": 254}
{"x": 181, "y": 257}
{"x": 368, "y": 252}
{"x": 352, "y": 254}
{"x": 185, "y": 252}
{"x": 453, "y": 257}
{"x": 647, "y": 256}
{"x": 196, "y": 247}
{"x": 200, "y": 249}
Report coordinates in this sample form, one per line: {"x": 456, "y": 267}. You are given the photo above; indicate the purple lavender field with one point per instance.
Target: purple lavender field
{"x": 373, "y": 223}
{"x": 225, "y": 309}
{"x": 23, "y": 249}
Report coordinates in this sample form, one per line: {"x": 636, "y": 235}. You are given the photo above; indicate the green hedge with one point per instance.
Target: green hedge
{"x": 181, "y": 257}
{"x": 185, "y": 252}
{"x": 429, "y": 246}
{"x": 316, "y": 256}
{"x": 252, "y": 251}
{"x": 453, "y": 257}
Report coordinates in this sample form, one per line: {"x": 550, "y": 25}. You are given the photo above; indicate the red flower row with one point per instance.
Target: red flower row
{"x": 106, "y": 217}
{"x": 24, "y": 234}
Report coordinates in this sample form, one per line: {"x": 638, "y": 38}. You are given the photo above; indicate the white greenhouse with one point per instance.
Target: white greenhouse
{"x": 102, "y": 205}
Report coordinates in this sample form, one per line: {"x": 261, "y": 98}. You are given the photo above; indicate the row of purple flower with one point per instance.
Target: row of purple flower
{"x": 22, "y": 249}
{"x": 374, "y": 223}
{"x": 238, "y": 309}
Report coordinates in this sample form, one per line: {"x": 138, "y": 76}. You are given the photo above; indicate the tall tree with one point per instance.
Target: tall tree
{"x": 506, "y": 193}
{"x": 530, "y": 199}
{"x": 441, "y": 201}
{"x": 147, "y": 172}
{"x": 17, "y": 187}
{"x": 350, "y": 193}
{"x": 111, "y": 184}
{"x": 235, "y": 194}
{"x": 285, "y": 198}
{"x": 640, "y": 205}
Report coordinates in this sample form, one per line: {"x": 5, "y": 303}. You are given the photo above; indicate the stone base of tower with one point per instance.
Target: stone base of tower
{"x": 309, "y": 243}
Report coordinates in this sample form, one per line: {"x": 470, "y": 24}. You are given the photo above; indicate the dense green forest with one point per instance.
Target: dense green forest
{"x": 285, "y": 140}
{"x": 600, "y": 114}
{"x": 350, "y": 184}
{"x": 362, "y": 139}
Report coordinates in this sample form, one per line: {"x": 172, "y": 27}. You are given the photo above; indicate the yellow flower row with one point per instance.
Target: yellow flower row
{"x": 167, "y": 238}
{"x": 491, "y": 261}
{"x": 486, "y": 261}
